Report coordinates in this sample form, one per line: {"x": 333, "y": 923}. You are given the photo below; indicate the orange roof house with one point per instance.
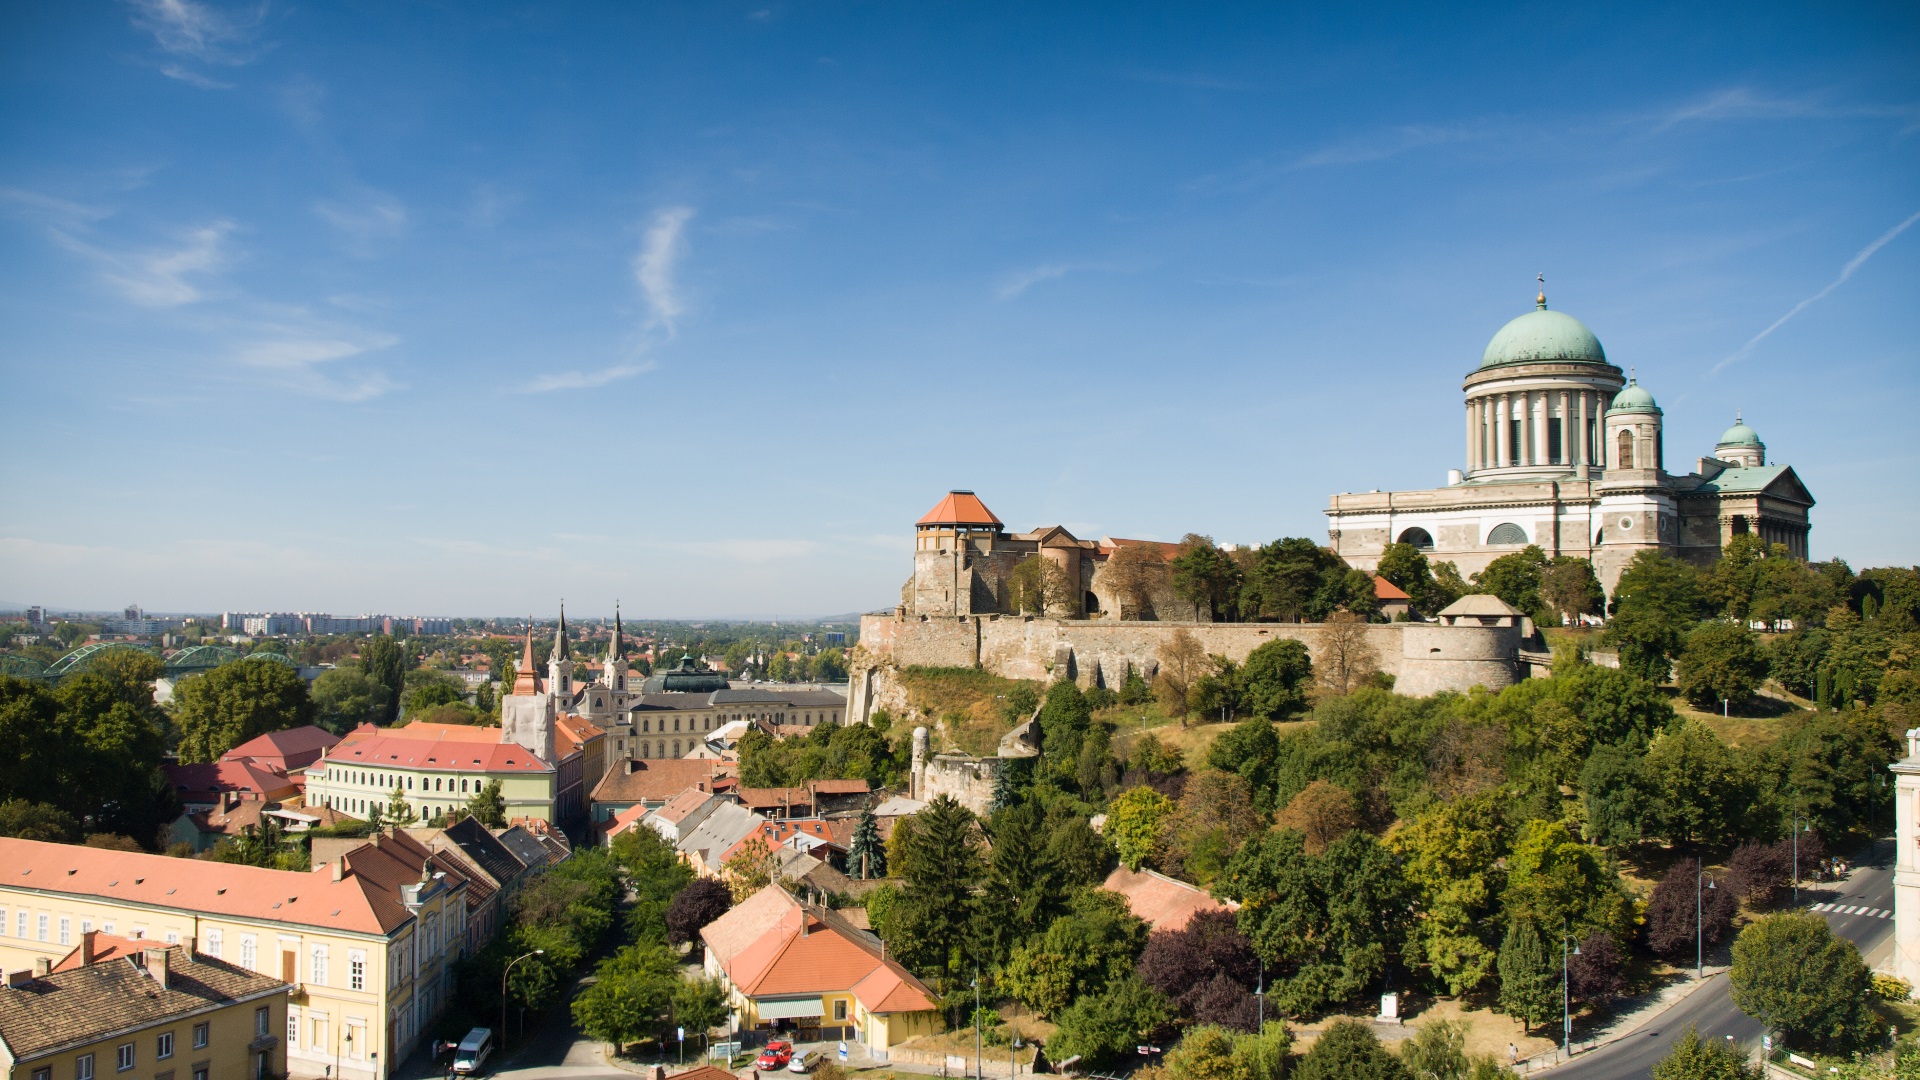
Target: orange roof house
{"x": 1161, "y": 902}
{"x": 781, "y": 959}
{"x": 1393, "y": 599}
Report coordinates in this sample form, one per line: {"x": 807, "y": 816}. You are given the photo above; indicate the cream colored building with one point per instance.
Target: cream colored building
{"x": 368, "y": 941}
{"x": 1565, "y": 451}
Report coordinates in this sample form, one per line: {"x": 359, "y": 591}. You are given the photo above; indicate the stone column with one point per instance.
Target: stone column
{"x": 1502, "y": 454}
{"x": 1540, "y": 429}
{"x": 1580, "y": 431}
{"x": 1906, "y": 861}
{"x": 1467, "y": 462}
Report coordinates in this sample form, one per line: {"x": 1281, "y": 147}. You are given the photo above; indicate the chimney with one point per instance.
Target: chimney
{"x": 339, "y": 867}
{"x": 658, "y": 1072}
{"x": 157, "y": 966}
{"x": 86, "y": 948}
{"x": 17, "y": 979}
{"x": 42, "y": 967}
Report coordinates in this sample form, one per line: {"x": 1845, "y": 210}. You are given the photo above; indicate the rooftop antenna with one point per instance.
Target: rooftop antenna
{"x": 1541, "y": 300}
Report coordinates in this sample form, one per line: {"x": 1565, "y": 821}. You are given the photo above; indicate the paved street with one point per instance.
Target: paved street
{"x": 1859, "y": 909}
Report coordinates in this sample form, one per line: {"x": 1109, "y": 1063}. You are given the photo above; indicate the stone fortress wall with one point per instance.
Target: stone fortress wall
{"x": 1423, "y": 658}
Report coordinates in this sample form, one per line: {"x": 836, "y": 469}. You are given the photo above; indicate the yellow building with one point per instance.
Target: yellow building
{"x": 436, "y": 767}
{"x": 160, "y": 1013}
{"x": 367, "y": 940}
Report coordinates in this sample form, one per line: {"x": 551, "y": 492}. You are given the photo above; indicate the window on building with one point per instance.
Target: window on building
{"x": 83, "y": 1067}
{"x": 293, "y": 1029}
{"x": 123, "y": 1057}
{"x": 319, "y": 1033}
{"x": 66, "y": 930}
{"x": 200, "y": 1036}
{"x": 163, "y": 1045}
{"x": 840, "y": 1009}
{"x": 249, "y": 954}
{"x": 1624, "y": 459}
{"x": 40, "y": 927}
{"x": 173, "y": 937}
{"x": 1507, "y": 533}
{"x": 260, "y": 1020}
{"x": 199, "y": 1072}
{"x": 1516, "y": 447}
{"x": 43, "y": 1074}
{"x": 215, "y": 940}
{"x": 356, "y": 970}
{"x": 318, "y": 969}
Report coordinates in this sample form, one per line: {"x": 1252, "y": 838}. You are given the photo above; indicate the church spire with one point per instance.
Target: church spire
{"x": 525, "y": 681}
{"x": 613, "y": 650}
{"x": 560, "y": 635}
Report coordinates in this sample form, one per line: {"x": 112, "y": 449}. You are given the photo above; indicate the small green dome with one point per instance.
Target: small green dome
{"x": 1633, "y": 398}
{"x": 1543, "y": 335}
{"x": 1738, "y": 435}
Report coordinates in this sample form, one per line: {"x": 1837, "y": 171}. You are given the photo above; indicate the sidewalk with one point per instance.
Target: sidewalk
{"x": 1620, "y": 1025}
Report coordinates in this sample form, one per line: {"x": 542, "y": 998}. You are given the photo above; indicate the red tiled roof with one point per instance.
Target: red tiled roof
{"x": 959, "y": 508}
{"x": 838, "y": 787}
{"x": 654, "y": 780}
{"x": 704, "y": 1072}
{"x": 434, "y": 746}
{"x": 105, "y": 947}
{"x": 1387, "y": 590}
{"x": 294, "y": 748}
{"x": 1168, "y": 551}
{"x": 206, "y": 781}
{"x": 773, "y": 834}
{"x": 791, "y": 950}
{"x": 1160, "y": 901}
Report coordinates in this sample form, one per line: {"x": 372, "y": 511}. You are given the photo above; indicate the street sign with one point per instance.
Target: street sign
{"x": 681, "y": 1033}
{"x": 843, "y": 1049}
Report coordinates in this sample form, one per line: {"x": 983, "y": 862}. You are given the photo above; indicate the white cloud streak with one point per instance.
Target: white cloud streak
{"x": 654, "y": 266}
{"x": 1021, "y": 280}
{"x": 1859, "y": 259}
{"x": 365, "y": 220}
{"x": 296, "y": 361}
{"x": 198, "y": 32}
{"x": 1741, "y": 103}
{"x": 157, "y": 278}
{"x": 586, "y": 380}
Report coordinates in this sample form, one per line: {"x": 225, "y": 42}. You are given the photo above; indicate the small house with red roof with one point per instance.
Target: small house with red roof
{"x": 1394, "y": 601}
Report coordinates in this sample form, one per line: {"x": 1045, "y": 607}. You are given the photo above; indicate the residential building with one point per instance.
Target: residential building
{"x": 1163, "y": 903}
{"x": 707, "y": 846}
{"x": 210, "y": 785}
{"x": 368, "y": 938}
{"x": 492, "y": 871}
{"x": 638, "y": 782}
{"x": 436, "y": 767}
{"x": 786, "y": 964}
{"x": 160, "y": 1012}
{"x": 287, "y": 751}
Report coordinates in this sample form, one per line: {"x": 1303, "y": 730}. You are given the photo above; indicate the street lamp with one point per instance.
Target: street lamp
{"x": 1566, "y": 996}
{"x": 503, "y": 990}
{"x": 1013, "y": 1067}
{"x": 1260, "y": 995}
{"x": 978, "y": 1067}
{"x": 1797, "y": 828}
{"x": 1699, "y": 925}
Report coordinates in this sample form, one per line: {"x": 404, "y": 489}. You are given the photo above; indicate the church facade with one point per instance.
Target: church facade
{"x": 1565, "y": 451}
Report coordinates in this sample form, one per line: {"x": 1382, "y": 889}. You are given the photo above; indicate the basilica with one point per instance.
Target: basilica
{"x": 1564, "y": 451}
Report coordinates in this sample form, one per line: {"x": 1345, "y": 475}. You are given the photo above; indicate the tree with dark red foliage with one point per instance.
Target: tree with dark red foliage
{"x": 1757, "y": 872}
{"x": 1207, "y": 969}
{"x": 693, "y": 907}
{"x": 1594, "y": 974}
{"x": 1670, "y": 913}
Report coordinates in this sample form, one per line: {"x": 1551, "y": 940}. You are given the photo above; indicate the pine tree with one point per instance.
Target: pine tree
{"x": 1003, "y": 793}
{"x": 400, "y": 812}
{"x": 866, "y": 855}
{"x": 488, "y": 806}
{"x": 1529, "y": 983}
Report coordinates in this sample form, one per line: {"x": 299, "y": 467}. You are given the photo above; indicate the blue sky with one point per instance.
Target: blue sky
{"x": 463, "y": 308}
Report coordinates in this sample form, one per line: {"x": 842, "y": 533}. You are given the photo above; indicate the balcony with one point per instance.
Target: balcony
{"x": 263, "y": 1042}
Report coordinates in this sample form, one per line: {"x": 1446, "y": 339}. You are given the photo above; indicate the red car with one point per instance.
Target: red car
{"x": 775, "y": 1056}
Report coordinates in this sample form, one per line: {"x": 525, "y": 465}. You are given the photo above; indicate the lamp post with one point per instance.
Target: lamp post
{"x": 978, "y": 1067}
{"x": 1796, "y": 851}
{"x": 1699, "y": 925}
{"x": 503, "y": 989}
{"x": 1566, "y": 996}
{"x": 1013, "y": 1066}
{"x": 1260, "y": 995}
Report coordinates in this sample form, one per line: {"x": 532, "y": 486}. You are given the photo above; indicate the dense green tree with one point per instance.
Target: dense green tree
{"x": 1064, "y": 720}
{"x": 866, "y": 855}
{"x": 1326, "y": 924}
{"x": 37, "y": 821}
{"x": 1830, "y": 769}
{"x": 425, "y": 688}
{"x": 1216, "y": 814}
{"x": 1023, "y": 892}
{"x": 1134, "y": 822}
{"x": 1349, "y": 1050}
{"x": 1206, "y": 577}
{"x": 118, "y": 739}
{"x": 1617, "y": 794}
{"x": 1090, "y": 948}
{"x": 941, "y": 865}
{"x": 1295, "y": 580}
{"x": 1451, "y": 857}
{"x": 1556, "y": 881}
{"x": 1515, "y": 578}
{"x": 1721, "y": 661}
{"x": 488, "y": 806}
{"x": 1104, "y": 1028}
{"x": 385, "y": 662}
{"x": 1406, "y": 567}
{"x": 345, "y": 698}
{"x": 653, "y": 871}
{"x": 1694, "y": 1058}
{"x": 1569, "y": 588}
{"x": 1657, "y": 601}
{"x": 1438, "y": 1051}
{"x": 1697, "y": 794}
{"x": 828, "y": 665}
{"x": 1250, "y": 750}
{"x": 630, "y": 996}
{"x": 1791, "y": 973}
{"x": 237, "y": 701}
{"x": 700, "y": 1004}
{"x": 1275, "y": 679}
{"x": 1529, "y": 979}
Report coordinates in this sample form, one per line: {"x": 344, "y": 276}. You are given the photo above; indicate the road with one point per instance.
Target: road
{"x": 1859, "y": 909}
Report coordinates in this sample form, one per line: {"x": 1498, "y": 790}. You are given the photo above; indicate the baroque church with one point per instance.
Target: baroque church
{"x": 1564, "y": 450}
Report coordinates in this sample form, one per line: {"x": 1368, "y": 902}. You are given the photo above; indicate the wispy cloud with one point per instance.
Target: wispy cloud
{"x": 653, "y": 268}
{"x": 1021, "y": 280}
{"x": 1859, "y": 259}
{"x": 199, "y": 32}
{"x": 586, "y": 380}
{"x": 364, "y": 219}
{"x": 1388, "y": 143}
{"x": 1743, "y": 103}
{"x": 157, "y": 277}
{"x": 299, "y": 362}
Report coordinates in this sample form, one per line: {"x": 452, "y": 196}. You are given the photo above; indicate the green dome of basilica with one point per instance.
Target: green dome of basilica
{"x": 1738, "y": 435}
{"x": 1543, "y": 335}
{"x": 1633, "y": 398}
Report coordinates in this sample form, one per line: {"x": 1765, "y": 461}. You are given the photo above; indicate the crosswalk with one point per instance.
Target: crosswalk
{"x": 1845, "y": 909}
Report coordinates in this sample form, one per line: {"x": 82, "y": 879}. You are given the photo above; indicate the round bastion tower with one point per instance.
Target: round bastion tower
{"x": 1534, "y": 405}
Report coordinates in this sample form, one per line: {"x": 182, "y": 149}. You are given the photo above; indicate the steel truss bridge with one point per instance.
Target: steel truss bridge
{"x": 189, "y": 661}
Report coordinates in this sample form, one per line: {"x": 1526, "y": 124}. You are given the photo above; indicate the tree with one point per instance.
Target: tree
{"x": 1205, "y": 576}
{"x": 1450, "y": 856}
{"x": 1348, "y": 1050}
{"x": 1555, "y": 881}
{"x": 1721, "y": 662}
{"x": 1515, "y": 577}
{"x": 1617, "y": 795}
{"x": 1216, "y": 814}
{"x": 1134, "y": 821}
{"x": 1657, "y": 600}
{"x": 1207, "y": 969}
{"x": 1694, "y": 1058}
{"x": 630, "y": 996}
{"x": 400, "y": 813}
{"x": 1438, "y": 1051}
{"x": 488, "y": 806}
{"x": 829, "y": 665}
{"x": 344, "y": 698}
{"x": 1757, "y": 872}
{"x": 37, "y": 821}
{"x": 1296, "y": 580}
{"x": 1136, "y": 572}
{"x": 1347, "y": 658}
{"x": 940, "y": 863}
{"x": 1323, "y": 813}
{"x": 1274, "y": 679}
{"x": 1670, "y": 912}
{"x": 1596, "y": 974}
{"x": 866, "y": 855}
{"x": 1249, "y": 750}
{"x": 692, "y": 908}
{"x": 700, "y": 1004}
{"x": 385, "y": 663}
{"x": 1791, "y": 973}
{"x": 1104, "y": 1027}
{"x": 1529, "y": 979}
{"x": 753, "y": 867}
{"x": 1696, "y": 789}
{"x": 1182, "y": 662}
{"x": 1569, "y": 588}
{"x": 1406, "y": 567}
{"x": 1038, "y": 586}
{"x": 237, "y": 701}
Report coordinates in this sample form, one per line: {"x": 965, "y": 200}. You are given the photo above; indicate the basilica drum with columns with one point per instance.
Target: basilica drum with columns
{"x": 1564, "y": 451}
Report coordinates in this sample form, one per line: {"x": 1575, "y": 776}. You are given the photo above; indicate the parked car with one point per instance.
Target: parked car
{"x": 803, "y": 1063}
{"x": 776, "y": 1056}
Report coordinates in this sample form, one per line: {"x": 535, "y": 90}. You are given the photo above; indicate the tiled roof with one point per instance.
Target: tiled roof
{"x": 959, "y": 508}
{"x": 704, "y": 1072}
{"x": 839, "y": 787}
{"x": 767, "y": 798}
{"x": 1387, "y": 590}
{"x": 1160, "y": 901}
{"x": 293, "y": 748}
{"x": 1480, "y": 604}
{"x": 776, "y": 833}
{"x": 87, "y": 1003}
{"x": 1168, "y": 551}
{"x": 770, "y": 945}
{"x": 451, "y": 747}
{"x": 653, "y": 780}
{"x": 677, "y": 809}
{"x": 309, "y": 899}
{"x": 204, "y": 782}
{"x": 103, "y": 946}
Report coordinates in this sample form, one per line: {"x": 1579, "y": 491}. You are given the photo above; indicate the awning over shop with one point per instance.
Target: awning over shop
{"x": 788, "y": 1008}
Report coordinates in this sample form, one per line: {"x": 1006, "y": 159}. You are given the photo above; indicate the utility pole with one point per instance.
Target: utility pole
{"x": 978, "y": 1065}
{"x": 1566, "y": 996}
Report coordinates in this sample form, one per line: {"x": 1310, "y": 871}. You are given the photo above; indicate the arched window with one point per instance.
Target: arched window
{"x": 676, "y": 748}
{"x": 1624, "y": 459}
{"x": 1418, "y": 537}
{"x": 1507, "y": 533}
{"x": 646, "y": 749}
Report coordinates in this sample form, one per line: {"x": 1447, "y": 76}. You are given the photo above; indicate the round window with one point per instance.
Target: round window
{"x": 1626, "y": 524}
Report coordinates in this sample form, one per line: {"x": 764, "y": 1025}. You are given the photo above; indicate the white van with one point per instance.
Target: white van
{"x": 474, "y": 1051}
